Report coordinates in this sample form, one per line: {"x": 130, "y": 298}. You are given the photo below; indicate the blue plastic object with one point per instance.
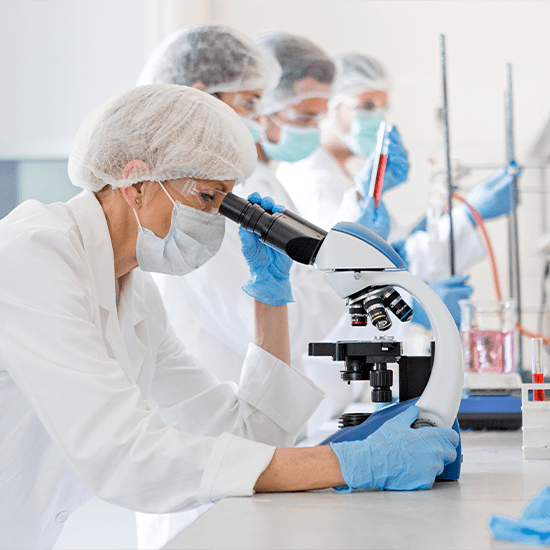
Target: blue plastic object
{"x": 370, "y": 237}
{"x": 532, "y": 527}
{"x": 369, "y": 426}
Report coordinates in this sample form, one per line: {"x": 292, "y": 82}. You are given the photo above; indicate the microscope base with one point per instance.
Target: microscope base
{"x": 376, "y": 419}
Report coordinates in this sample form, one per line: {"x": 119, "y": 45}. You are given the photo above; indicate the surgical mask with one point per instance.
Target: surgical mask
{"x": 255, "y": 128}
{"x": 295, "y": 143}
{"x": 194, "y": 237}
{"x": 361, "y": 137}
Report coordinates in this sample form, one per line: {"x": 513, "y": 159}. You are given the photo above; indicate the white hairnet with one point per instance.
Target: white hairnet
{"x": 356, "y": 73}
{"x": 222, "y": 58}
{"x": 299, "y": 58}
{"x": 175, "y": 130}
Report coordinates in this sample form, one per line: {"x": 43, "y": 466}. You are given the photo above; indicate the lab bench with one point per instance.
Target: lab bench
{"x": 452, "y": 515}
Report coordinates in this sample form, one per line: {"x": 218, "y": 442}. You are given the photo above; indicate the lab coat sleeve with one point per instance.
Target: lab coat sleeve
{"x": 111, "y": 436}
{"x": 272, "y": 403}
{"x": 429, "y": 260}
{"x": 214, "y": 298}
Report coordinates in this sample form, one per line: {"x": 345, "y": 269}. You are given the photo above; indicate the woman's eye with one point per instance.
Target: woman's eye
{"x": 206, "y": 197}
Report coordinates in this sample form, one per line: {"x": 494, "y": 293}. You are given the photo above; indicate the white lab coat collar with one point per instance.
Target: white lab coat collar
{"x": 91, "y": 222}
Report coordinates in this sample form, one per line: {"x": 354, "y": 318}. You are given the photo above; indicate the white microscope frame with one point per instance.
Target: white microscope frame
{"x": 351, "y": 265}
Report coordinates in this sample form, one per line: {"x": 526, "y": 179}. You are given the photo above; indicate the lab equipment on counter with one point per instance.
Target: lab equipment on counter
{"x": 492, "y": 384}
{"x": 538, "y": 371}
{"x": 536, "y": 422}
{"x": 363, "y": 269}
{"x": 532, "y": 527}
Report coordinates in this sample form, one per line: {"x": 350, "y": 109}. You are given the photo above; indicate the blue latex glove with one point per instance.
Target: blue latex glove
{"x": 375, "y": 219}
{"x": 532, "y": 527}
{"x": 269, "y": 268}
{"x": 397, "y": 457}
{"x": 420, "y": 226}
{"x": 397, "y": 167}
{"x": 399, "y": 247}
{"x": 491, "y": 197}
{"x": 450, "y": 290}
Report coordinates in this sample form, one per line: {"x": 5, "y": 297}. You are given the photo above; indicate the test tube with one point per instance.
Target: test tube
{"x": 538, "y": 373}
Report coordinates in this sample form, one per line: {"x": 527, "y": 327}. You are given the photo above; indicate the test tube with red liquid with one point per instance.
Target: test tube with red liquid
{"x": 380, "y": 174}
{"x": 538, "y": 373}
{"x": 379, "y": 166}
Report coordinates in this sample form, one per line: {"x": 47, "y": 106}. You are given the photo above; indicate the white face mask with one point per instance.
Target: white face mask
{"x": 194, "y": 237}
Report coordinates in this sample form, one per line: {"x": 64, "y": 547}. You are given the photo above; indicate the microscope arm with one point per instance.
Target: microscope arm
{"x": 354, "y": 260}
{"x": 440, "y": 400}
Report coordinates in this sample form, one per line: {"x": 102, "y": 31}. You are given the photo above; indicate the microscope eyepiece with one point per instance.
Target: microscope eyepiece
{"x": 284, "y": 231}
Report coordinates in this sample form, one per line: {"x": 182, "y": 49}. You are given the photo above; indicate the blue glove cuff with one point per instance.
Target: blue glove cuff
{"x": 275, "y": 292}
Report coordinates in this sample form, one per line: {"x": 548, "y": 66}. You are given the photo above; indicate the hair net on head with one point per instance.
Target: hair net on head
{"x": 176, "y": 131}
{"x": 222, "y": 58}
{"x": 357, "y": 73}
{"x": 299, "y": 58}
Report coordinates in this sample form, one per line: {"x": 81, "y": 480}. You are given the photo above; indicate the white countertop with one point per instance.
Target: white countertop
{"x": 452, "y": 515}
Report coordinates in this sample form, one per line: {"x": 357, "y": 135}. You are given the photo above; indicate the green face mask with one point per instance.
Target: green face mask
{"x": 361, "y": 138}
{"x": 295, "y": 143}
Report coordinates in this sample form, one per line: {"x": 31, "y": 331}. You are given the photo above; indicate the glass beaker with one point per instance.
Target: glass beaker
{"x": 487, "y": 330}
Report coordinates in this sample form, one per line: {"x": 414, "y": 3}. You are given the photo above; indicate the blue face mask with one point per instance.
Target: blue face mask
{"x": 255, "y": 128}
{"x": 295, "y": 143}
{"x": 361, "y": 138}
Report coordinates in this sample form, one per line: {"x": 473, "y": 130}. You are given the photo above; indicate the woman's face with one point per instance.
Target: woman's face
{"x": 156, "y": 207}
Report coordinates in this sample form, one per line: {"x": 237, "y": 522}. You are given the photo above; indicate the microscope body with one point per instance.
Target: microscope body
{"x": 363, "y": 269}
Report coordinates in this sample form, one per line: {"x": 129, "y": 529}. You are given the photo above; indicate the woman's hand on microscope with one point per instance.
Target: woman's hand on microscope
{"x": 269, "y": 281}
{"x": 397, "y": 457}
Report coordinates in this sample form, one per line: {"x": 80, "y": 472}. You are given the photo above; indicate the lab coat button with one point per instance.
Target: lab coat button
{"x": 61, "y": 517}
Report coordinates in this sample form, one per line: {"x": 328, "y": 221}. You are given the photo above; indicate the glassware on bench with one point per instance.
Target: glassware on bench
{"x": 488, "y": 334}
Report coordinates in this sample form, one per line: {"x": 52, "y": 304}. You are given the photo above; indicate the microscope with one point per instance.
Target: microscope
{"x": 364, "y": 270}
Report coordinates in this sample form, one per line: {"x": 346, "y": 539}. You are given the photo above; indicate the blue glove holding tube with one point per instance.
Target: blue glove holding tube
{"x": 532, "y": 527}
{"x": 269, "y": 268}
{"x": 492, "y": 197}
{"x": 396, "y": 457}
{"x": 450, "y": 290}
{"x": 375, "y": 219}
{"x": 397, "y": 166}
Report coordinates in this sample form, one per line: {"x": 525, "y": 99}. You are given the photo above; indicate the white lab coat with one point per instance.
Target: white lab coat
{"x": 81, "y": 383}
{"x": 211, "y": 309}
{"x": 325, "y": 194}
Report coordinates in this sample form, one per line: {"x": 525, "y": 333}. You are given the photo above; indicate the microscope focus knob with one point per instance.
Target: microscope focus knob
{"x": 381, "y": 382}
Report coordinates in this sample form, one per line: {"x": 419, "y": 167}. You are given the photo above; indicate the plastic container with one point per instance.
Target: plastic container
{"x": 488, "y": 336}
{"x": 536, "y": 423}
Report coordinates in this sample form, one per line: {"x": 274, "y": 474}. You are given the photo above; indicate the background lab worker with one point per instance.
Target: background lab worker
{"x": 83, "y": 363}
{"x": 323, "y": 188}
{"x": 212, "y": 309}
{"x": 209, "y": 311}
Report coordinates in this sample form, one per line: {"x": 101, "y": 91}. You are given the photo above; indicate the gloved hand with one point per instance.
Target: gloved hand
{"x": 450, "y": 290}
{"x": 397, "y": 166}
{"x": 269, "y": 268}
{"x": 397, "y": 457}
{"x": 375, "y": 219}
{"x": 420, "y": 226}
{"x": 399, "y": 247}
{"x": 491, "y": 197}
